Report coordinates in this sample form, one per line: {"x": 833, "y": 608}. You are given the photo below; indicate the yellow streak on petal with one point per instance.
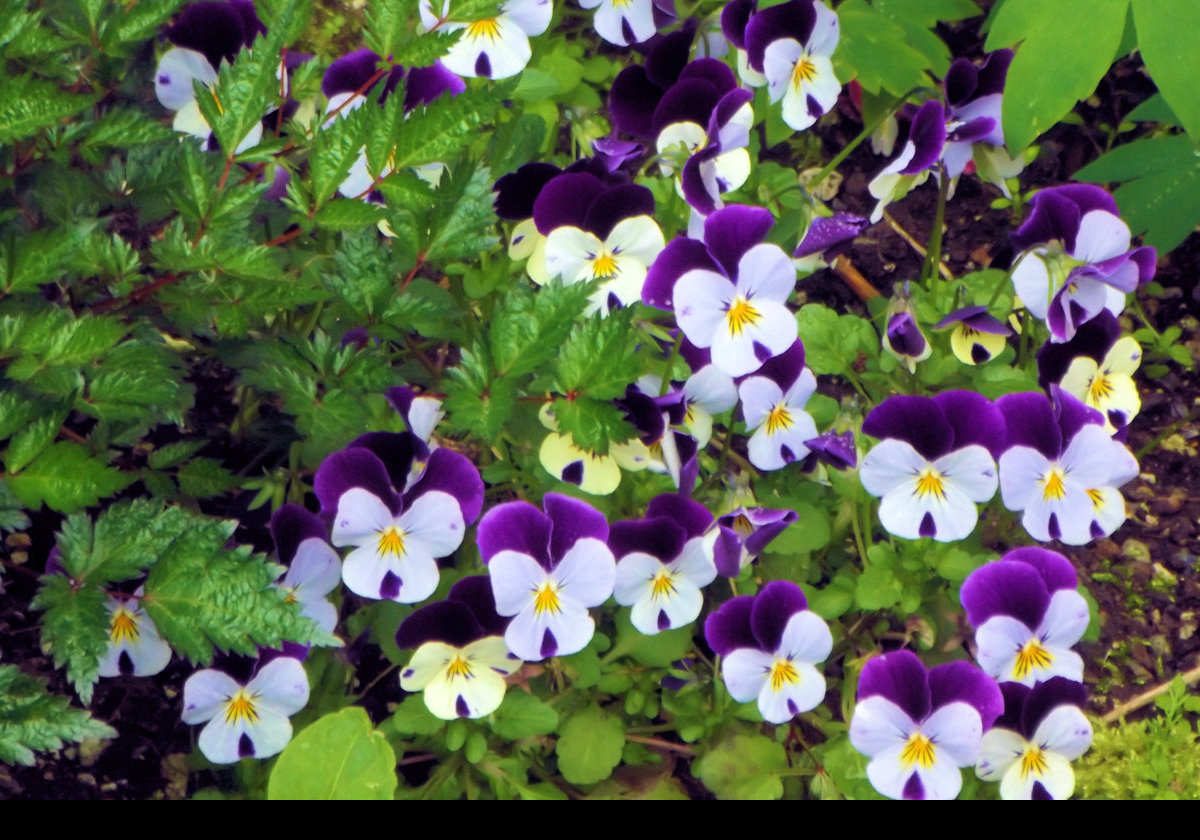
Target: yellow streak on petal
{"x": 1099, "y": 389}
{"x": 458, "y": 668}
{"x": 1032, "y": 656}
{"x": 783, "y": 672}
{"x": 545, "y": 599}
{"x": 124, "y": 627}
{"x": 741, "y": 314}
{"x": 778, "y": 419}
{"x": 917, "y": 750}
{"x": 391, "y": 542}
{"x": 604, "y": 267}
{"x": 662, "y": 585}
{"x": 240, "y": 708}
{"x": 1053, "y": 489}
{"x": 931, "y": 483}
{"x": 487, "y": 28}
{"x": 804, "y": 70}
{"x": 1034, "y": 763}
{"x": 1097, "y": 497}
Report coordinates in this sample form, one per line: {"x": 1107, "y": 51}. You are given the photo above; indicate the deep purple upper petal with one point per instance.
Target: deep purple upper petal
{"x": 899, "y": 677}
{"x": 620, "y": 202}
{"x": 659, "y": 537}
{"x": 1055, "y": 569}
{"x": 975, "y": 420}
{"x": 711, "y": 70}
{"x": 774, "y": 604}
{"x": 961, "y": 81}
{"x": 565, "y": 200}
{"x": 348, "y": 73}
{"x": 1072, "y": 414}
{"x": 1056, "y": 212}
{"x": 794, "y": 19}
{"x": 397, "y": 451}
{"x": 1015, "y": 695}
{"x": 992, "y": 73}
{"x": 692, "y": 516}
{"x": 632, "y": 100}
{"x": 1047, "y": 696}
{"x": 349, "y": 468}
{"x": 919, "y": 421}
{"x": 515, "y": 526}
{"x": 426, "y": 84}
{"x": 451, "y": 622}
{"x": 904, "y": 335}
{"x": 668, "y": 55}
{"x": 292, "y": 525}
{"x": 572, "y": 520}
{"x": 217, "y": 30}
{"x": 517, "y": 191}
{"x": 1030, "y": 422}
{"x": 688, "y": 100}
{"x": 728, "y": 628}
{"x": 963, "y": 682}
{"x": 785, "y": 368}
{"x": 453, "y": 473}
{"x": 1093, "y": 340}
{"x": 1005, "y": 588}
{"x": 734, "y": 18}
{"x": 679, "y": 257}
{"x": 826, "y": 232}
{"x": 732, "y": 231}
{"x": 928, "y": 135}
{"x": 476, "y": 593}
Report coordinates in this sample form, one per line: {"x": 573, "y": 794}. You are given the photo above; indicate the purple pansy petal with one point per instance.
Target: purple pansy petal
{"x": 425, "y": 84}
{"x": 350, "y": 468}
{"x": 659, "y": 537}
{"x": 454, "y": 474}
{"x": 768, "y": 524}
{"x": 1072, "y": 414}
{"x": 734, "y": 18}
{"x": 1030, "y": 421}
{"x": 785, "y": 368}
{"x": 961, "y": 81}
{"x": 348, "y": 73}
{"x": 1005, "y": 588}
{"x": 623, "y": 201}
{"x": 695, "y": 186}
{"x": 395, "y": 450}
{"x": 572, "y": 520}
{"x": 993, "y": 73}
{"x": 292, "y": 525}
{"x": 688, "y": 100}
{"x": 692, "y": 516}
{"x": 794, "y": 19}
{"x": 679, "y": 257}
{"x": 974, "y": 131}
{"x": 904, "y": 336}
{"x": 1056, "y": 214}
{"x": 564, "y": 201}
{"x": 515, "y": 526}
{"x": 667, "y": 55}
{"x": 727, "y": 552}
{"x": 1056, "y": 570}
{"x": 728, "y": 628}
{"x": 963, "y": 682}
{"x": 712, "y": 71}
{"x": 975, "y": 420}
{"x": 928, "y": 135}
{"x": 1014, "y": 694}
{"x": 1044, "y": 698}
{"x": 615, "y": 152}
{"x": 632, "y": 100}
{"x": 827, "y": 232}
{"x": 476, "y": 593}
{"x": 728, "y": 134}
{"x": 217, "y": 30}
{"x": 918, "y": 421}
{"x": 774, "y": 605}
{"x": 451, "y": 622}
{"x": 643, "y": 414}
{"x": 517, "y": 191}
{"x": 732, "y": 231}
{"x": 900, "y": 678}
{"x": 834, "y": 449}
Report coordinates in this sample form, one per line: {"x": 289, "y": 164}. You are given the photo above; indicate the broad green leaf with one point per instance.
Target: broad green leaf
{"x": 928, "y": 13}
{"x": 31, "y": 719}
{"x": 1154, "y": 109}
{"x": 1057, "y": 64}
{"x": 1173, "y": 61}
{"x": 413, "y": 717}
{"x": 657, "y": 651}
{"x": 873, "y": 49}
{"x": 589, "y": 745}
{"x": 75, "y": 629}
{"x": 522, "y": 715}
{"x": 831, "y": 341}
{"x": 66, "y": 478}
{"x": 1140, "y": 158}
{"x": 340, "y": 756}
{"x": 743, "y": 767}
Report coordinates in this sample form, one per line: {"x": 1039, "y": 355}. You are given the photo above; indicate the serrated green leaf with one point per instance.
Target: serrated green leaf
{"x": 426, "y": 308}
{"x": 66, "y": 478}
{"x": 1172, "y": 61}
{"x": 12, "y": 517}
{"x": 340, "y": 756}
{"x": 589, "y": 746}
{"x": 387, "y": 123}
{"x": 34, "y": 437}
{"x": 74, "y": 629}
{"x": 36, "y": 257}
{"x": 124, "y": 127}
{"x": 522, "y": 715}
{"x": 1074, "y": 57}
{"x": 598, "y": 358}
{"x": 334, "y": 150}
{"x": 475, "y": 402}
{"x": 517, "y": 142}
{"x": 528, "y": 328}
{"x": 174, "y": 453}
{"x": 463, "y": 223}
{"x": 16, "y": 411}
{"x": 594, "y": 424}
{"x": 28, "y": 105}
{"x": 743, "y": 767}
{"x": 447, "y": 125}
{"x": 137, "y": 382}
{"x": 31, "y": 719}
{"x": 348, "y": 214}
{"x": 125, "y": 539}
{"x": 203, "y": 478}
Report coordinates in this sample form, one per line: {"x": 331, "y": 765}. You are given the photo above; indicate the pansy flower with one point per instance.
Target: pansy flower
{"x": 626, "y": 22}
{"x": 496, "y": 47}
{"x": 547, "y": 569}
{"x": 825, "y": 237}
{"x": 588, "y": 470}
{"x": 134, "y": 646}
{"x": 744, "y": 533}
{"x": 663, "y": 561}
{"x": 734, "y": 17}
{"x": 729, "y": 293}
{"x": 834, "y": 449}
{"x": 773, "y": 402}
{"x": 922, "y": 149}
{"x": 770, "y": 644}
{"x": 792, "y": 45}
{"x": 461, "y": 660}
{"x": 977, "y": 337}
{"x": 1096, "y": 367}
{"x": 1030, "y": 749}
{"x": 248, "y": 720}
{"x": 934, "y": 463}
{"x": 974, "y": 94}
{"x": 1076, "y": 258}
{"x": 1027, "y": 615}
{"x": 421, "y": 413}
{"x": 657, "y": 447}
{"x": 204, "y": 36}
{"x": 919, "y": 727}
{"x": 314, "y": 569}
{"x": 705, "y": 393}
{"x": 1062, "y": 469}
{"x": 398, "y": 531}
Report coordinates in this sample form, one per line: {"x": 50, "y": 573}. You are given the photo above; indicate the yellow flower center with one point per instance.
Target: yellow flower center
{"x": 917, "y": 750}
{"x": 457, "y": 668}
{"x": 621, "y": 4}
{"x": 778, "y": 419}
{"x": 742, "y": 526}
{"x": 1097, "y": 497}
{"x": 1032, "y": 656}
{"x": 931, "y": 483}
{"x": 240, "y": 708}
{"x": 545, "y": 599}
{"x": 783, "y": 672}
{"x": 741, "y": 314}
{"x": 662, "y": 586}
{"x": 1033, "y": 763}
{"x": 1099, "y": 389}
{"x": 124, "y": 628}
{"x": 1053, "y": 488}
{"x": 604, "y": 267}
{"x": 487, "y": 28}
{"x": 804, "y": 70}
{"x": 391, "y": 542}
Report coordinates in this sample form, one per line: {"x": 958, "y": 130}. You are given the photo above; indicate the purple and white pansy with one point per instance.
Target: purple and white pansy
{"x": 314, "y": 568}
{"x": 974, "y": 95}
{"x": 1062, "y": 469}
{"x": 792, "y": 45}
{"x": 546, "y": 570}
{"x": 919, "y": 727}
{"x": 825, "y": 237}
{"x": 663, "y": 561}
{"x": 627, "y": 22}
{"x": 773, "y": 402}
{"x": 1096, "y": 367}
{"x": 744, "y": 533}
{"x": 1027, "y": 615}
{"x": 245, "y": 721}
{"x": 902, "y": 336}
{"x": 1030, "y": 748}
{"x": 922, "y": 149}
{"x": 460, "y": 658}
{"x": 977, "y": 337}
{"x": 134, "y": 646}
{"x": 729, "y": 293}
{"x": 707, "y": 392}
{"x": 1075, "y": 258}
{"x": 770, "y": 644}
{"x": 934, "y": 463}
{"x": 496, "y": 47}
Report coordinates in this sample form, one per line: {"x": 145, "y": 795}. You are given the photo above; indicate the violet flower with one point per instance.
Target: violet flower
{"x": 1096, "y": 367}
{"x": 977, "y": 337}
{"x": 926, "y": 139}
{"x": 935, "y": 462}
{"x": 918, "y": 727}
{"x": 743, "y": 534}
{"x": 792, "y": 45}
{"x": 974, "y": 130}
{"x": 627, "y": 22}
{"x": 1062, "y": 469}
{"x": 770, "y": 644}
{"x": 729, "y": 293}
{"x": 1030, "y": 748}
{"x": 461, "y": 660}
{"x": 1076, "y": 258}
{"x": 547, "y": 569}
{"x": 773, "y": 402}
{"x": 421, "y": 414}
{"x": 314, "y": 569}
{"x": 495, "y": 48}
{"x": 1027, "y": 615}
{"x": 134, "y": 646}
{"x": 663, "y": 561}
{"x": 825, "y": 237}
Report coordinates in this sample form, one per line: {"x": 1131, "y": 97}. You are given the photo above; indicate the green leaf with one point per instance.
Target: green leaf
{"x": 29, "y": 105}
{"x": 66, "y": 478}
{"x": 517, "y": 142}
{"x": 174, "y": 453}
{"x": 334, "y": 150}
{"x": 33, "y": 720}
{"x": 598, "y": 358}
{"x": 873, "y": 49}
{"x": 589, "y": 746}
{"x": 928, "y": 13}
{"x": 1155, "y": 109}
{"x": 831, "y": 341}
{"x": 527, "y": 329}
{"x": 1057, "y": 64}
{"x": 125, "y": 540}
{"x": 522, "y": 715}
{"x": 75, "y": 629}
{"x": 29, "y": 441}
{"x": 413, "y": 717}
{"x": 203, "y": 478}
{"x": 447, "y": 126}
{"x": 594, "y": 424}
{"x": 657, "y": 651}
{"x": 463, "y": 222}
{"x": 36, "y": 257}
{"x": 340, "y": 756}
{"x": 348, "y": 214}
{"x": 1172, "y": 61}
{"x": 743, "y": 767}
{"x": 125, "y": 127}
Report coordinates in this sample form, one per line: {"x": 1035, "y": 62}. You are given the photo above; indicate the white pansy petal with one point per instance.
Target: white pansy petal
{"x": 532, "y": 16}
{"x": 682, "y": 606}
{"x": 638, "y": 237}
{"x": 971, "y": 471}
{"x": 766, "y": 273}
{"x": 189, "y": 120}
{"x": 1065, "y": 731}
{"x": 515, "y": 578}
{"x": 998, "y": 639}
{"x": 1101, "y": 236}
{"x": 570, "y": 252}
{"x": 524, "y": 634}
{"x": 731, "y": 169}
{"x": 633, "y": 577}
{"x": 824, "y": 87}
{"x": 321, "y": 612}
{"x": 779, "y": 58}
{"x": 955, "y": 729}
{"x": 173, "y": 77}
{"x": 364, "y": 571}
{"x": 691, "y": 136}
{"x": 711, "y": 389}
{"x": 942, "y": 781}
{"x": 1064, "y": 662}
{"x": 1109, "y": 514}
{"x": 269, "y": 734}
{"x": 794, "y": 698}
{"x": 535, "y": 266}
{"x": 758, "y": 395}
{"x": 281, "y": 685}
{"x": 887, "y": 774}
{"x": 879, "y": 726}
{"x": 775, "y": 330}
{"x": 315, "y": 570}
{"x": 767, "y": 451}
{"x": 434, "y": 523}
{"x": 595, "y": 474}
{"x": 524, "y": 237}
{"x": 253, "y": 138}
{"x": 587, "y": 573}
{"x": 998, "y": 749}
{"x": 695, "y": 563}
{"x": 1124, "y": 356}
{"x": 426, "y": 664}
{"x": 219, "y": 741}
{"x": 490, "y": 652}
{"x": 626, "y": 287}
{"x": 1031, "y": 281}
{"x": 205, "y": 692}
{"x": 1065, "y": 619}
{"x": 701, "y": 299}
{"x": 744, "y": 672}
{"x": 419, "y": 576}
{"x": 891, "y": 465}
{"x": 1058, "y": 778}
{"x": 478, "y": 695}
{"x": 361, "y": 517}
{"x": 806, "y": 638}
{"x": 1089, "y": 457}
{"x": 1016, "y": 785}
{"x": 148, "y": 653}
{"x": 1072, "y": 513}
{"x": 1021, "y": 470}
{"x": 795, "y": 111}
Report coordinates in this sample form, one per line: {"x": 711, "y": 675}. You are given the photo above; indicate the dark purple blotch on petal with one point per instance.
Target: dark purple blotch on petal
{"x": 350, "y": 468}
{"x": 572, "y": 520}
{"x": 452, "y": 473}
{"x": 913, "y": 789}
{"x": 549, "y": 645}
{"x": 389, "y": 587}
{"x": 449, "y": 621}
{"x": 918, "y": 421}
{"x": 245, "y": 746}
{"x": 572, "y": 473}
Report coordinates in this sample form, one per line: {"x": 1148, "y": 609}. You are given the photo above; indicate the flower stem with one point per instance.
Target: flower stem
{"x": 933, "y": 254}
{"x": 867, "y": 131}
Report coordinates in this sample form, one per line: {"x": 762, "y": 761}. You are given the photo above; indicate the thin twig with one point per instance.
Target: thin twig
{"x": 943, "y": 269}
{"x": 853, "y": 278}
{"x": 1190, "y": 677}
{"x": 682, "y": 749}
